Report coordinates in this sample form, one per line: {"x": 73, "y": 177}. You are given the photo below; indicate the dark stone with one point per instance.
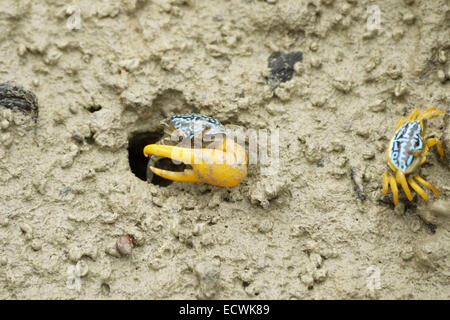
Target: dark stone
{"x": 18, "y": 98}
{"x": 282, "y": 66}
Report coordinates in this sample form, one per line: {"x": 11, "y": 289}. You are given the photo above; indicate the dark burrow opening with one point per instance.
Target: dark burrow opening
{"x": 138, "y": 162}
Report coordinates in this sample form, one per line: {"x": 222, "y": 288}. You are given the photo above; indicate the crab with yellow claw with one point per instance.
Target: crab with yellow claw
{"x": 407, "y": 151}
{"x": 200, "y": 143}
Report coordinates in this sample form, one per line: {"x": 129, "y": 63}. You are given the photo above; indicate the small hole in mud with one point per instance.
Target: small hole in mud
{"x": 94, "y": 108}
{"x": 189, "y": 244}
{"x": 138, "y": 162}
{"x": 90, "y": 139}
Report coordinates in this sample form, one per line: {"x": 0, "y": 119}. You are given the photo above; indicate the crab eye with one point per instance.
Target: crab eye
{"x": 417, "y": 144}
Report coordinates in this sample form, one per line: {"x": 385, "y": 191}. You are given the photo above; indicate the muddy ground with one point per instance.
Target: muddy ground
{"x": 317, "y": 228}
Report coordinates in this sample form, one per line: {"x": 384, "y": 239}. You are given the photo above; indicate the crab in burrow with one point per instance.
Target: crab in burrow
{"x": 199, "y": 145}
{"x": 407, "y": 151}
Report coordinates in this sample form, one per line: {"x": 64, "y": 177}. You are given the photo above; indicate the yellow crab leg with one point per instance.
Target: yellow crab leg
{"x": 430, "y": 143}
{"x": 399, "y": 123}
{"x": 394, "y": 189}
{"x": 435, "y": 142}
{"x": 413, "y": 115}
{"x": 418, "y": 189}
{"x": 429, "y": 113}
{"x": 385, "y": 188}
{"x": 427, "y": 184}
{"x": 400, "y": 177}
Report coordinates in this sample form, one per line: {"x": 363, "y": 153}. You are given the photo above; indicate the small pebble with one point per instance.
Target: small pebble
{"x": 345, "y": 9}
{"x": 73, "y": 108}
{"x": 368, "y": 155}
{"x": 299, "y": 68}
{"x": 378, "y": 106}
{"x": 442, "y": 56}
{"x": 441, "y": 75}
{"x": 81, "y": 268}
{"x": 407, "y": 253}
{"x": 318, "y": 101}
{"x": 364, "y": 133}
{"x": 265, "y": 226}
{"x": 409, "y": 18}
{"x": 397, "y": 34}
{"x": 307, "y": 280}
{"x": 6, "y": 139}
{"x": 4, "y": 222}
{"x": 36, "y": 244}
{"x": 52, "y": 57}
{"x": 112, "y": 252}
{"x": 315, "y": 62}
{"x": 4, "y": 124}
{"x": 7, "y": 114}
{"x": 316, "y": 259}
{"x": 342, "y": 85}
{"x": 400, "y": 89}
{"x": 124, "y": 245}
{"x": 394, "y": 72}
{"x": 370, "y": 66}
{"x": 370, "y": 34}
{"x": 75, "y": 254}
{"x": 320, "y": 275}
{"x": 156, "y": 264}
{"x": 3, "y": 261}
{"x": 441, "y": 208}
{"x": 21, "y": 50}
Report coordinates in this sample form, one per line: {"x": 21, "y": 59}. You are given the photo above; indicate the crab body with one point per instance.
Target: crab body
{"x": 407, "y": 151}
{"x": 200, "y": 143}
{"x": 406, "y": 142}
{"x": 190, "y": 126}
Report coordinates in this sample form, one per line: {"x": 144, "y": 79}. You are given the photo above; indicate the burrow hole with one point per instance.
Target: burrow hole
{"x": 169, "y": 102}
{"x": 138, "y": 162}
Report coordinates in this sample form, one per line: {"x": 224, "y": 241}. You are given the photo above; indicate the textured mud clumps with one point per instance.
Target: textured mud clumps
{"x": 433, "y": 252}
{"x": 208, "y": 277}
{"x": 302, "y": 232}
{"x": 267, "y": 189}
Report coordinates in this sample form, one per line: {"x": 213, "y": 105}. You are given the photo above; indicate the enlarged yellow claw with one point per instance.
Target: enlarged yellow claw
{"x": 225, "y": 166}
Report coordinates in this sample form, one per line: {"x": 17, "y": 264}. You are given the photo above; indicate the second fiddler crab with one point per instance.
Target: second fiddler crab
{"x": 200, "y": 143}
{"x": 407, "y": 151}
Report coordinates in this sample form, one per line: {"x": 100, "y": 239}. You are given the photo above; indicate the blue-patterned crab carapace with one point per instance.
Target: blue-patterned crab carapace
{"x": 201, "y": 144}
{"x": 407, "y": 151}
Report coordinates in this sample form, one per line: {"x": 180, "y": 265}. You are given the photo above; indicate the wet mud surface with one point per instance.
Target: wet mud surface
{"x": 76, "y": 222}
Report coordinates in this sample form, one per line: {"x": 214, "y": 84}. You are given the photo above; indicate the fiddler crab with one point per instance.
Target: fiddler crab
{"x": 407, "y": 151}
{"x": 201, "y": 144}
